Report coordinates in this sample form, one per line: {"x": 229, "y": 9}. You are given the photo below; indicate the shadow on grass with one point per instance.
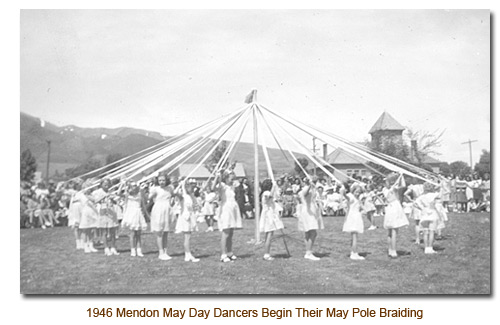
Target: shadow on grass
{"x": 284, "y": 256}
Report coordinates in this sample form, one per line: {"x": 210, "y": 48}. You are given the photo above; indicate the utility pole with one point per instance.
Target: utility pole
{"x": 48, "y": 162}
{"x": 470, "y": 150}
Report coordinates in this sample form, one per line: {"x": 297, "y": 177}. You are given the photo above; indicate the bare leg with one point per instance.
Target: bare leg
{"x": 393, "y": 239}
{"x": 104, "y": 237}
{"x": 310, "y": 237}
{"x": 426, "y": 238}
{"x": 165, "y": 241}
{"x": 354, "y": 242}
{"x": 187, "y": 238}
{"x": 132, "y": 239}
{"x": 267, "y": 244}
{"x": 112, "y": 237}
{"x": 417, "y": 231}
{"x": 229, "y": 242}
{"x": 159, "y": 242}
{"x": 139, "y": 242}
{"x": 223, "y": 241}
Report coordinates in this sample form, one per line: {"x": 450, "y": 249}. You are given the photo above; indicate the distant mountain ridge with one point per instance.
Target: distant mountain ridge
{"x": 72, "y": 145}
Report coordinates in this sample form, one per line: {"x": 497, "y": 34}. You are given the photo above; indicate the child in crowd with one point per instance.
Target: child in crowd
{"x": 270, "y": 215}
{"x": 430, "y": 220}
{"x": 107, "y": 217}
{"x": 88, "y": 216}
{"x": 133, "y": 217}
{"x": 353, "y": 222}
{"x": 394, "y": 215}
{"x": 368, "y": 206}
{"x": 162, "y": 216}
{"x": 186, "y": 223}
{"x": 309, "y": 216}
{"x": 208, "y": 210}
{"x": 75, "y": 211}
{"x": 379, "y": 201}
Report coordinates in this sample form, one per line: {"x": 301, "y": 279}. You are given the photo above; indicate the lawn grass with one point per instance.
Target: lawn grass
{"x": 50, "y": 264}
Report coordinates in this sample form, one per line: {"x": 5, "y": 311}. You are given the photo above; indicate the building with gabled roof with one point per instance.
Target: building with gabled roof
{"x": 385, "y": 126}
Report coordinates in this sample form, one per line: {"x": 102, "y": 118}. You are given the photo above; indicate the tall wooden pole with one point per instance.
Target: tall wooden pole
{"x": 256, "y": 178}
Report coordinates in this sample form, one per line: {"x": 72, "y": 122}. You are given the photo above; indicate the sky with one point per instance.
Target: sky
{"x": 171, "y": 70}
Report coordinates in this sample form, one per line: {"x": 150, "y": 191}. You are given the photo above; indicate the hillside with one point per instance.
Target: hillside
{"x": 72, "y": 145}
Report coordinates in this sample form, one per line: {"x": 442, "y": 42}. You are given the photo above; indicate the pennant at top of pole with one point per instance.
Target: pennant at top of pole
{"x": 252, "y": 97}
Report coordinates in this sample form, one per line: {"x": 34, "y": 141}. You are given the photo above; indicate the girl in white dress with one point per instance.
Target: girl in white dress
{"x": 133, "y": 218}
{"x": 162, "y": 218}
{"x": 309, "y": 216}
{"x": 186, "y": 223}
{"x": 368, "y": 205}
{"x": 354, "y": 220}
{"x": 229, "y": 216}
{"x": 432, "y": 216}
{"x": 88, "y": 217}
{"x": 107, "y": 217}
{"x": 75, "y": 211}
{"x": 394, "y": 215}
{"x": 270, "y": 215}
{"x": 208, "y": 209}
{"x": 411, "y": 194}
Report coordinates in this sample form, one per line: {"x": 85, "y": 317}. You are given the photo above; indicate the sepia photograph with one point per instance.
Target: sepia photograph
{"x": 255, "y": 152}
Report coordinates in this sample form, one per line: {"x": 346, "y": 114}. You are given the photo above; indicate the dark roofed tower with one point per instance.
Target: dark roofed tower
{"x": 386, "y": 127}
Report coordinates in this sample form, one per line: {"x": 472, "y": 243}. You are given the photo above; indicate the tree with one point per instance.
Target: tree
{"x": 393, "y": 146}
{"x": 426, "y": 142}
{"x": 298, "y": 170}
{"x": 28, "y": 166}
{"x": 216, "y": 156}
{"x": 445, "y": 168}
{"x": 460, "y": 168}
{"x": 111, "y": 159}
{"x": 88, "y": 166}
{"x": 423, "y": 143}
{"x": 484, "y": 165}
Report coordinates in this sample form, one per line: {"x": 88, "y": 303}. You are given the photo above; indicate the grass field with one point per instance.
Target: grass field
{"x": 51, "y": 265}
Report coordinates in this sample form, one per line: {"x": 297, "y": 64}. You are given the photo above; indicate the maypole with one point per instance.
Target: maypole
{"x": 252, "y": 97}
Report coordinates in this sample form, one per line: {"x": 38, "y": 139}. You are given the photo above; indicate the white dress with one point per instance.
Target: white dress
{"x": 269, "y": 217}
{"x": 308, "y": 212}
{"x": 187, "y": 216}
{"x": 229, "y": 215}
{"x": 208, "y": 206}
{"x": 162, "y": 218}
{"x": 354, "y": 220}
{"x": 394, "y": 214}
{"x": 107, "y": 217}
{"x": 429, "y": 215}
{"x": 88, "y": 217}
{"x": 417, "y": 190}
{"x": 75, "y": 208}
{"x": 133, "y": 218}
